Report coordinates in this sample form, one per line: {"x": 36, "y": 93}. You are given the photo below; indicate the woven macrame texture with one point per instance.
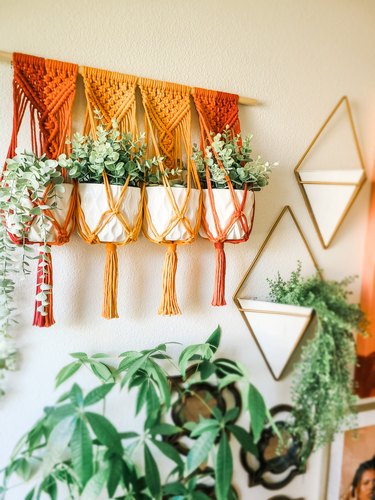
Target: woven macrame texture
{"x": 47, "y": 89}
{"x": 113, "y": 95}
{"x": 168, "y": 132}
{"x": 216, "y": 111}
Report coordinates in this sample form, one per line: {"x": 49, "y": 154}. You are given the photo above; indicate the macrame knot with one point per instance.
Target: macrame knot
{"x": 62, "y": 237}
{"x": 116, "y": 211}
{"x": 92, "y": 239}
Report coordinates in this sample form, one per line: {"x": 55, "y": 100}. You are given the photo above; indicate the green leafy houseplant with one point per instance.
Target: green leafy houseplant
{"x": 322, "y": 390}
{"x": 235, "y": 154}
{"x": 76, "y": 448}
{"x": 118, "y": 155}
{"x": 24, "y": 203}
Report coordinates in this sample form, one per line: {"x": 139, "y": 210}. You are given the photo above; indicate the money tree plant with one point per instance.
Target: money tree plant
{"x": 75, "y": 450}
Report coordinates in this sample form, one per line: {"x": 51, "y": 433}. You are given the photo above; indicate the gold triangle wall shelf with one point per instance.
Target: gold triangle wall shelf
{"x": 276, "y": 328}
{"x": 329, "y": 194}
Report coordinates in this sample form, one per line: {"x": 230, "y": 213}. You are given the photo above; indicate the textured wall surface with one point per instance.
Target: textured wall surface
{"x": 298, "y": 58}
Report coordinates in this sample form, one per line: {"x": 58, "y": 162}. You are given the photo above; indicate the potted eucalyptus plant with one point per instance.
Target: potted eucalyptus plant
{"x": 75, "y": 448}
{"x": 227, "y": 164}
{"x": 36, "y": 203}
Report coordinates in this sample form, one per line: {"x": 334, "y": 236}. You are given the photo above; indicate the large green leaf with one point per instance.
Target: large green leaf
{"x": 169, "y": 451}
{"x": 204, "y": 425}
{"x": 162, "y": 382}
{"x": 200, "y": 450}
{"x": 223, "y": 468}
{"x": 95, "y": 485}
{"x": 58, "y": 442}
{"x": 214, "y": 339}
{"x": 115, "y": 474}
{"x": 142, "y": 396}
{"x": 101, "y": 371}
{"x": 152, "y": 474}
{"x": 81, "y": 451}
{"x": 66, "y": 372}
{"x": 97, "y": 394}
{"x": 244, "y": 438}
{"x": 258, "y": 411}
{"x": 105, "y": 431}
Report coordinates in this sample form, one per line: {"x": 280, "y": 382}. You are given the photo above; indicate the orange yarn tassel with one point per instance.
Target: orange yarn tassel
{"x": 110, "y": 282}
{"x": 44, "y": 277}
{"x": 218, "y": 298}
{"x": 169, "y": 305}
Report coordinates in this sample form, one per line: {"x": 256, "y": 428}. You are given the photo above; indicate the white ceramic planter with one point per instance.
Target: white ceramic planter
{"x": 225, "y": 208}
{"x": 162, "y": 212}
{"x": 277, "y": 328}
{"x": 63, "y": 201}
{"x": 94, "y": 203}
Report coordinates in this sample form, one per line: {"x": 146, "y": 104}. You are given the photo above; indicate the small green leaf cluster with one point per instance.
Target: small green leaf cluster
{"x": 235, "y": 154}
{"x": 120, "y": 156}
{"x": 75, "y": 445}
{"x": 23, "y": 201}
{"x": 322, "y": 390}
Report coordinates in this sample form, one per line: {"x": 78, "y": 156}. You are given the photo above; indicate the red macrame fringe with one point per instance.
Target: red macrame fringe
{"x": 44, "y": 276}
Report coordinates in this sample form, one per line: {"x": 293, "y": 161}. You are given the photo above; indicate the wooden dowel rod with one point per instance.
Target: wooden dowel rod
{"x": 246, "y": 101}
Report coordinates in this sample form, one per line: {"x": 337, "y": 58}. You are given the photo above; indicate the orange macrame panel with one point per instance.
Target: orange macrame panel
{"x": 113, "y": 95}
{"x": 168, "y": 131}
{"x": 365, "y": 371}
{"x": 47, "y": 88}
{"x": 216, "y": 111}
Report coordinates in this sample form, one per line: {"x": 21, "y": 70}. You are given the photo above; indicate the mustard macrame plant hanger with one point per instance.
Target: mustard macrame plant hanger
{"x": 238, "y": 295}
{"x": 113, "y": 95}
{"x": 326, "y": 242}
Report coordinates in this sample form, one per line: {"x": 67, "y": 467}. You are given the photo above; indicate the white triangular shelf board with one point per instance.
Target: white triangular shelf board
{"x": 277, "y": 328}
{"x": 329, "y": 201}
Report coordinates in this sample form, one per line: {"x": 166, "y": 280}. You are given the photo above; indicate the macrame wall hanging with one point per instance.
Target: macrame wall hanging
{"x": 171, "y": 213}
{"x": 109, "y": 214}
{"x": 232, "y": 224}
{"x": 45, "y": 88}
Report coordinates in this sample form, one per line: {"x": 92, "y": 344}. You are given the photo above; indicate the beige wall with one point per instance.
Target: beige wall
{"x": 298, "y": 57}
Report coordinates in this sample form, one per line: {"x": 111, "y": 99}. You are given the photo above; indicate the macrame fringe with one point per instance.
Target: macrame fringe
{"x": 218, "y": 298}
{"x": 110, "y": 282}
{"x": 44, "y": 277}
{"x": 169, "y": 305}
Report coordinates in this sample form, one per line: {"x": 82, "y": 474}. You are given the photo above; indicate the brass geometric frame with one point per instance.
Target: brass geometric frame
{"x": 236, "y": 296}
{"x": 358, "y": 184}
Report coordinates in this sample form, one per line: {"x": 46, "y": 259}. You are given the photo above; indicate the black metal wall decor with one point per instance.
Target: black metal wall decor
{"x": 277, "y": 463}
{"x": 194, "y": 402}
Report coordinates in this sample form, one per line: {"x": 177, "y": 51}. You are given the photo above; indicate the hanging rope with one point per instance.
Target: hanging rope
{"x": 216, "y": 110}
{"x": 113, "y": 94}
{"x": 168, "y": 130}
{"x": 47, "y": 89}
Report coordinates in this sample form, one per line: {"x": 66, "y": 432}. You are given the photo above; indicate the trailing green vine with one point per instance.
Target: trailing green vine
{"x": 8, "y": 267}
{"x": 322, "y": 390}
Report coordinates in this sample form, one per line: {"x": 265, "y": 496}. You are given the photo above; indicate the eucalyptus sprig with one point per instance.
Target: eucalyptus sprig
{"x": 118, "y": 155}
{"x": 75, "y": 445}
{"x": 235, "y": 154}
{"x": 322, "y": 390}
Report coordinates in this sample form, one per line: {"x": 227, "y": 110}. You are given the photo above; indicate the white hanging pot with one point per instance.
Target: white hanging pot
{"x": 60, "y": 213}
{"x": 225, "y": 208}
{"x": 94, "y": 203}
{"x": 161, "y": 212}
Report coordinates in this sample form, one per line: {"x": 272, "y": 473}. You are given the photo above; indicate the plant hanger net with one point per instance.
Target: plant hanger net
{"x": 113, "y": 95}
{"x": 46, "y": 88}
{"x": 168, "y": 131}
{"x": 217, "y": 111}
